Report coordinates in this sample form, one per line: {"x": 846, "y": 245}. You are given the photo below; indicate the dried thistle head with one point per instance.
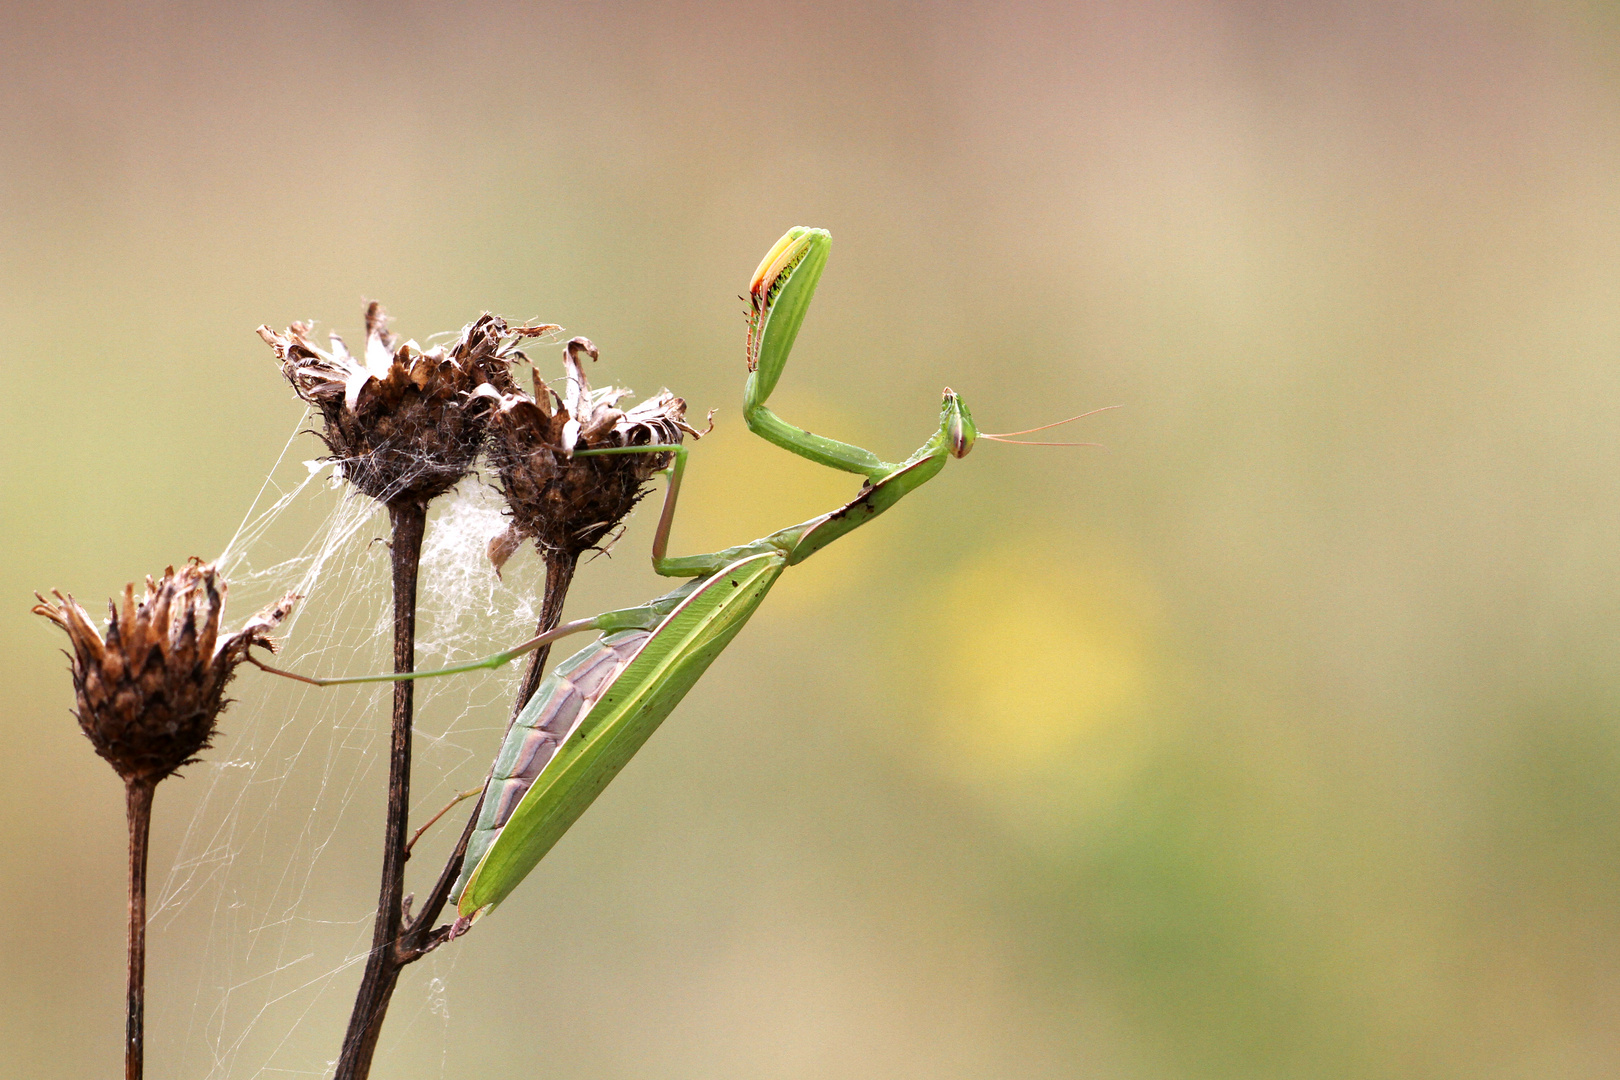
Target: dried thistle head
{"x": 402, "y": 422}
{"x": 566, "y": 503}
{"x": 150, "y": 691}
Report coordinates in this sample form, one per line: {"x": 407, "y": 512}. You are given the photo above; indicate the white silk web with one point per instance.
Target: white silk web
{"x": 269, "y": 902}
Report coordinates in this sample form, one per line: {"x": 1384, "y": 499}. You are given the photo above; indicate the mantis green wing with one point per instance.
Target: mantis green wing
{"x": 651, "y": 673}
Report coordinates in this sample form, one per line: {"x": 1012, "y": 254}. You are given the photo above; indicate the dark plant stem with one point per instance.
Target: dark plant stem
{"x": 397, "y": 938}
{"x": 559, "y": 576}
{"x": 408, "y": 518}
{"x": 138, "y": 806}
{"x": 421, "y": 936}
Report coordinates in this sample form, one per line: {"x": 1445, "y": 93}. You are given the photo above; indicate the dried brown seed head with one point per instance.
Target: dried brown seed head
{"x": 565, "y": 503}
{"x": 401, "y": 421}
{"x": 150, "y": 691}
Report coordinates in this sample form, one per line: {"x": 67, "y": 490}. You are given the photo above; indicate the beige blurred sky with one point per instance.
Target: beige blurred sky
{"x": 1278, "y": 740}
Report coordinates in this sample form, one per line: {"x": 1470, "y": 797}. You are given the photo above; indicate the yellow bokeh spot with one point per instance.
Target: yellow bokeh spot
{"x": 1045, "y": 680}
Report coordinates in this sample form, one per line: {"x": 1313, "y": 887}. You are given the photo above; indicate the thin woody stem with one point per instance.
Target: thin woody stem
{"x": 138, "y": 807}
{"x": 409, "y": 520}
{"x": 396, "y": 942}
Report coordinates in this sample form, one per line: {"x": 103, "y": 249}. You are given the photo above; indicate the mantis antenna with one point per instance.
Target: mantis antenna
{"x": 1003, "y": 436}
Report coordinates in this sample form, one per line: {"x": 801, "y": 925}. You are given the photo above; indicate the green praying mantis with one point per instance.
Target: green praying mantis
{"x": 597, "y": 708}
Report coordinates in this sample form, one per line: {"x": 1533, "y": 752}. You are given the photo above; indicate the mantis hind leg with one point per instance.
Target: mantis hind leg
{"x": 644, "y": 617}
{"x": 488, "y": 663}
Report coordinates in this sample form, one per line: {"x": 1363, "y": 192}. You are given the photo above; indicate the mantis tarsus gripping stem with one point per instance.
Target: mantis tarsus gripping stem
{"x": 460, "y": 798}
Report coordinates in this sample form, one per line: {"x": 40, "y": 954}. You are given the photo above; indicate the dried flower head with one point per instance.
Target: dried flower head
{"x": 402, "y": 422}
{"x": 150, "y": 692}
{"x": 566, "y": 503}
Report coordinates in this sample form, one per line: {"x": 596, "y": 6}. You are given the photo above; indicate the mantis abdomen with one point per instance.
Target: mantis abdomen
{"x": 551, "y": 716}
{"x": 591, "y": 714}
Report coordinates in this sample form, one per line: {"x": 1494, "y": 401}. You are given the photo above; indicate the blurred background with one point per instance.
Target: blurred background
{"x": 1280, "y": 739}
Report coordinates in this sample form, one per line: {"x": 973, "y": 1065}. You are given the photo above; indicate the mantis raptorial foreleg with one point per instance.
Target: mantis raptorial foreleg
{"x": 775, "y": 314}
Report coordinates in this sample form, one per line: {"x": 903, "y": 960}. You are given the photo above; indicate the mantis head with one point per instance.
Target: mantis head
{"x": 956, "y": 424}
